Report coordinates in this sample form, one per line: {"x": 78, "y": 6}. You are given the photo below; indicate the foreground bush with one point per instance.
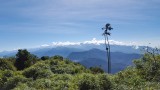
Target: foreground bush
{"x": 39, "y": 70}
{"x": 149, "y": 67}
{"x": 14, "y": 81}
{"x": 128, "y": 79}
{"x": 96, "y": 70}
{"x": 145, "y": 75}
{"x": 6, "y": 65}
{"x": 66, "y": 67}
{"x": 4, "y": 76}
{"x": 92, "y": 82}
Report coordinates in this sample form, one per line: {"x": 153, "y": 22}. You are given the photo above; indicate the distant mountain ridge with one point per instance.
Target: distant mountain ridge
{"x": 90, "y": 54}
{"x": 93, "y": 53}
{"x": 63, "y": 51}
{"x": 96, "y": 57}
{"x": 66, "y": 50}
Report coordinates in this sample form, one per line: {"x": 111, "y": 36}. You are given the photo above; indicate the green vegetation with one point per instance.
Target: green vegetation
{"x": 28, "y": 72}
{"x": 95, "y": 70}
{"x": 144, "y": 75}
{"x": 24, "y": 59}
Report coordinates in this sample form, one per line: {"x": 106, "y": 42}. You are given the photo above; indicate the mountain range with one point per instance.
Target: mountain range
{"x": 96, "y": 57}
{"x": 90, "y": 54}
{"x": 66, "y": 50}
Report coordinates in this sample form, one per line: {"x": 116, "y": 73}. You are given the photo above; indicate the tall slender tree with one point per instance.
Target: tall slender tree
{"x": 106, "y": 33}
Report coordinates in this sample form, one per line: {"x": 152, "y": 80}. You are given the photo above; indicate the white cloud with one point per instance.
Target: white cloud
{"x": 64, "y": 43}
{"x": 93, "y": 41}
{"x": 45, "y": 45}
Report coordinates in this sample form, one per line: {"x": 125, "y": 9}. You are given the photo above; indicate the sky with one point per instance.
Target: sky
{"x": 34, "y": 23}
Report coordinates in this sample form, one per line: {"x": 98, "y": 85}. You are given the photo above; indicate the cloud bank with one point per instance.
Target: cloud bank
{"x": 94, "y": 41}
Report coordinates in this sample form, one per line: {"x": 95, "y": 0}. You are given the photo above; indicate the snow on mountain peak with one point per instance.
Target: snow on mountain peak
{"x": 94, "y": 41}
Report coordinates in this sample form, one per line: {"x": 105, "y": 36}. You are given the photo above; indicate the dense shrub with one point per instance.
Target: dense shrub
{"x": 55, "y": 82}
{"x": 44, "y": 57}
{"x": 23, "y": 86}
{"x": 60, "y": 67}
{"x": 39, "y": 70}
{"x": 61, "y": 81}
{"x": 57, "y": 57}
{"x": 42, "y": 84}
{"x": 11, "y": 59}
{"x": 96, "y": 70}
{"x": 104, "y": 82}
{"x": 149, "y": 67}
{"x": 128, "y": 79}
{"x": 91, "y": 82}
{"x": 14, "y": 81}
{"x": 4, "y": 76}
{"x": 6, "y": 65}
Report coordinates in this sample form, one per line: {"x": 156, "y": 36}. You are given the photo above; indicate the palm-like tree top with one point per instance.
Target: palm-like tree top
{"x": 106, "y": 28}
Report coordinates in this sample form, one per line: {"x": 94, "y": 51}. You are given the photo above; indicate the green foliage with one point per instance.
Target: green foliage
{"x": 11, "y": 59}
{"x": 23, "y": 86}
{"x": 145, "y": 75}
{"x": 24, "y": 59}
{"x": 96, "y": 70}
{"x": 4, "y": 75}
{"x": 14, "y": 81}
{"x": 54, "y": 73}
{"x": 39, "y": 70}
{"x": 68, "y": 61}
{"x": 128, "y": 79}
{"x": 55, "y": 82}
{"x": 65, "y": 78}
{"x": 87, "y": 81}
{"x": 10, "y": 79}
{"x": 61, "y": 67}
{"x": 42, "y": 84}
{"x": 57, "y": 57}
{"x": 105, "y": 82}
{"x": 149, "y": 67}
{"x": 6, "y": 65}
{"x": 44, "y": 57}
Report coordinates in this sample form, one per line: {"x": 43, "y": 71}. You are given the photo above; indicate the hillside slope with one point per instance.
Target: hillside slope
{"x": 96, "y": 57}
{"x": 52, "y": 74}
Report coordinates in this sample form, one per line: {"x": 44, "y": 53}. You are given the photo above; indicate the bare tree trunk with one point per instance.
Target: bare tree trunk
{"x": 108, "y": 53}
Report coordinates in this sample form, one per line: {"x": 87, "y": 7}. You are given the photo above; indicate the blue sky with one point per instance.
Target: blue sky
{"x": 31, "y": 23}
